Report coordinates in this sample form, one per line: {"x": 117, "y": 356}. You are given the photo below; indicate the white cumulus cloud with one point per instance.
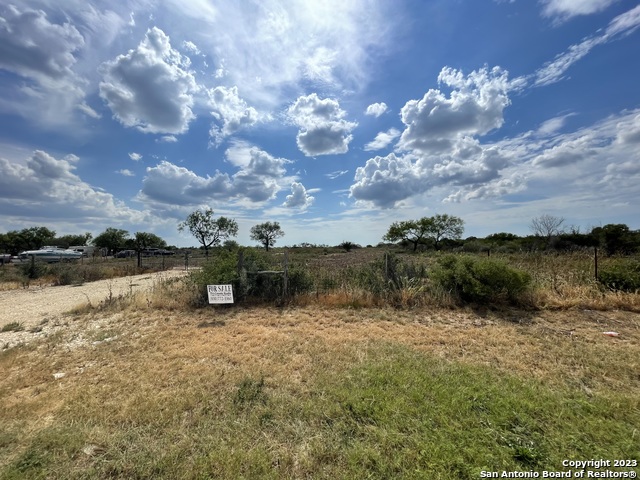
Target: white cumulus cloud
{"x": 376, "y": 109}
{"x": 43, "y": 53}
{"x": 259, "y": 178}
{"x": 48, "y": 187}
{"x": 32, "y": 46}
{"x": 299, "y": 197}
{"x": 474, "y": 107}
{"x": 170, "y": 184}
{"x": 323, "y": 130}
{"x": 231, "y": 111}
{"x": 150, "y": 87}
{"x": 384, "y": 181}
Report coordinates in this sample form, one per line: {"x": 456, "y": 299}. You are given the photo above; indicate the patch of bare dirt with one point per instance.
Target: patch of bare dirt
{"x": 41, "y": 310}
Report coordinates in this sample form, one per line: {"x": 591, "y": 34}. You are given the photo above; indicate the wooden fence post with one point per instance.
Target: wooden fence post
{"x": 595, "y": 261}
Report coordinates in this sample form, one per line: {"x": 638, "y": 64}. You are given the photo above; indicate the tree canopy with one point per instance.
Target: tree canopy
{"x": 617, "y": 238}
{"x": 266, "y": 233}
{"x": 435, "y": 228}
{"x": 207, "y": 230}
{"x": 112, "y": 239}
{"x": 31, "y": 238}
{"x": 144, "y": 240}
{"x": 66, "y": 241}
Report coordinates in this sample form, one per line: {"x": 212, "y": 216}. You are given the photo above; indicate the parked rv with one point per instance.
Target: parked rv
{"x": 85, "y": 250}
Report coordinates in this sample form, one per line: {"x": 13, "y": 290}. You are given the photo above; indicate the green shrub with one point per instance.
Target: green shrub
{"x": 623, "y": 276}
{"x": 479, "y": 280}
{"x": 300, "y": 280}
{"x": 348, "y": 246}
{"x": 222, "y": 268}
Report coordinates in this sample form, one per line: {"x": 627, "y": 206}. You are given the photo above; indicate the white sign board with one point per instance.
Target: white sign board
{"x": 220, "y": 293}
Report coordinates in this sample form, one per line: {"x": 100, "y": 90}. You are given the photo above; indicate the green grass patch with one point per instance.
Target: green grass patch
{"x": 389, "y": 412}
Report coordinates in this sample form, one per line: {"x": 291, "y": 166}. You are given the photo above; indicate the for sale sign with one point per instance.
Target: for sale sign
{"x": 220, "y": 293}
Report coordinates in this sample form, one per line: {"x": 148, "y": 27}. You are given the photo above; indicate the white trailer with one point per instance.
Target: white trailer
{"x": 85, "y": 250}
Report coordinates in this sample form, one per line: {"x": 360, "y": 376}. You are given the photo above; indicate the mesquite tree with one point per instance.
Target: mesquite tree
{"x": 266, "y": 233}
{"x": 435, "y": 228}
{"x": 207, "y": 230}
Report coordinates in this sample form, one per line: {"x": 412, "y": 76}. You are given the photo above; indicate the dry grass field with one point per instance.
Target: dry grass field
{"x": 148, "y": 387}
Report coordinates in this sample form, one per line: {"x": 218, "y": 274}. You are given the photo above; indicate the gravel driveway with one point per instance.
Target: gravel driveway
{"x": 30, "y": 307}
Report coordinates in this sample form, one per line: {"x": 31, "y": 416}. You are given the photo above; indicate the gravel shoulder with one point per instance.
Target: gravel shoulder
{"x": 38, "y": 309}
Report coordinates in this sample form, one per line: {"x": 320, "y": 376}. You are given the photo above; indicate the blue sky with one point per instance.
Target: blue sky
{"x": 334, "y": 118}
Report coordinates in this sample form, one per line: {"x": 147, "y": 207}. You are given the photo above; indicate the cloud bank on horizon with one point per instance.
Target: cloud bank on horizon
{"x": 333, "y": 119}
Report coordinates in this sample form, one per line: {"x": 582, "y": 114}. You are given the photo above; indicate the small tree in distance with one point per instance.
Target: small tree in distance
{"x": 445, "y": 226}
{"x": 413, "y": 231}
{"x": 266, "y": 233}
{"x": 144, "y": 240}
{"x": 207, "y": 230}
{"x": 348, "y": 246}
{"x": 112, "y": 239}
{"x": 546, "y": 226}
{"x": 435, "y": 228}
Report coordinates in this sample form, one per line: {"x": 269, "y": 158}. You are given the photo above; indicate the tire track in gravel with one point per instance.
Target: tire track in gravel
{"x": 32, "y": 306}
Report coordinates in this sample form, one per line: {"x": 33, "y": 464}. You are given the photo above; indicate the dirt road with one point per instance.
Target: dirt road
{"x": 45, "y": 306}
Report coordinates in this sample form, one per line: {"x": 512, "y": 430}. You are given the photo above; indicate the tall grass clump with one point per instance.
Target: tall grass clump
{"x": 480, "y": 280}
{"x": 11, "y": 277}
{"x": 34, "y": 269}
{"x": 389, "y": 280}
